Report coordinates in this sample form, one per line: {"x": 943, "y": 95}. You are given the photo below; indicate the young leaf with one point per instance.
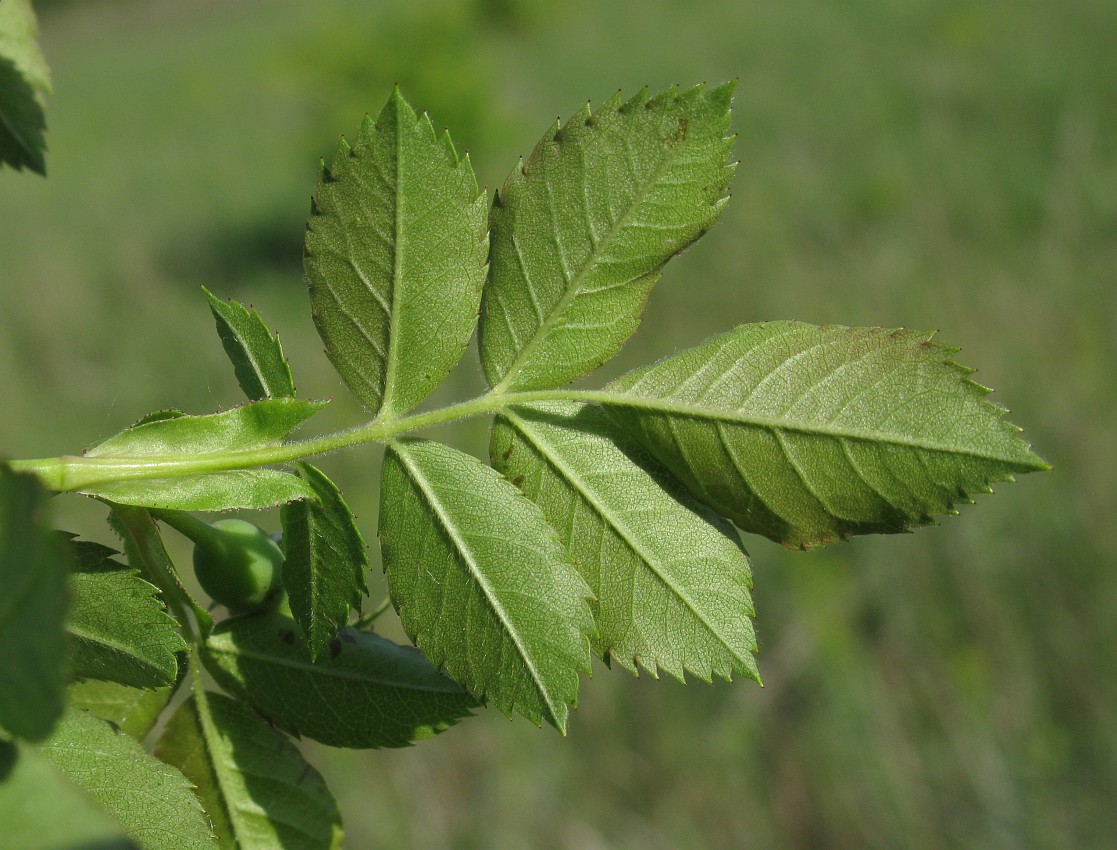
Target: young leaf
{"x": 256, "y": 425}
{"x": 670, "y": 578}
{"x": 368, "y": 692}
{"x": 581, "y": 232}
{"x": 150, "y": 799}
{"x": 33, "y": 568}
{"x": 258, "y": 790}
{"x": 809, "y": 434}
{"x": 24, "y": 80}
{"x": 117, "y": 624}
{"x": 134, "y": 710}
{"x": 258, "y": 362}
{"x": 481, "y": 583}
{"x": 35, "y": 793}
{"x": 395, "y": 259}
{"x": 326, "y": 561}
{"x": 218, "y": 491}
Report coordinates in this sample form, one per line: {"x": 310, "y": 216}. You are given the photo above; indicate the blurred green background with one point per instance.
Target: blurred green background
{"x": 945, "y": 164}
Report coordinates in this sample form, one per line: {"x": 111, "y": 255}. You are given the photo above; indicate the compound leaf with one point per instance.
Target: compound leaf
{"x": 395, "y": 259}
{"x": 33, "y": 796}
{"x": 258, "y": 790}
{"x": 671, "y": 580}
{"x": 809, "y": 434}
{"x": 367, "y": 692}
{"x": 151, "y": 800}
{"x": 33, "y": 567}
{"x": 134, "y": 710}
{"x": 218, "y": 491}
{"x": 24, "y": 80}
{"x": 117, "y": 625}
{"x": 581, "y": 231}
{"x": 480, "y": 581}
{"x": 325, "y": 559}
{"x": 256, "y": 425}
{"x": 258, "y": 362}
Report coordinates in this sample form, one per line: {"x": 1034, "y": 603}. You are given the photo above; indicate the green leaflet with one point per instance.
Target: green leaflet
{"x": 24, "y": 80}
{"x": 258, "y": 790}
{"x": 367, "y": 692}
{"x": 395, "y": 259}
{"x": 41, "y": 809}
{"x": 581, "y": 231}
{"x": 326, "y": 561}
{"x": 143, "y": 545}
{"x": 809, "y": 434}
{"x": 134, "y": 710}
{"x": 258, "y": 362}
{"x": 33, "y": 568}
{"x": 219, "y": 491}
{"x": 118, "y": 628}
{"x": 150, "y": 799}
{"x": 250, "y": 426}
{"x": 670, "y": 578}
{"x": 481, "y": 584}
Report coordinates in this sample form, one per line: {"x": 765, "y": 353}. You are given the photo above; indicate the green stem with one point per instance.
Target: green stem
{"x": 71, "y": 472}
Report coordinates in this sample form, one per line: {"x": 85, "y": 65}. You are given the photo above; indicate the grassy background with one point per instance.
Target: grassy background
{"x": 944, "y": 164}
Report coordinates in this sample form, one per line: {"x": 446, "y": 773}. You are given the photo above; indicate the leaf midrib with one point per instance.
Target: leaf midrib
{"x": 479, "y": 576}
{"x": 573, "y": 289}
{"x": 622, "y": 531}
{"x": 778, "y": 423}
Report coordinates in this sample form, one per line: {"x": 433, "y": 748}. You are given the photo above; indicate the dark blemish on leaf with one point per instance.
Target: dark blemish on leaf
{"x": 287, "y": 636}
{"x": 335, "y": 648}
{"x": 518, "y": 480}
{"x": 507, "y": 452}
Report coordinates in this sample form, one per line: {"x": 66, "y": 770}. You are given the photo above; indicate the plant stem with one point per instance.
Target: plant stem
{"x": 71, "y": 472}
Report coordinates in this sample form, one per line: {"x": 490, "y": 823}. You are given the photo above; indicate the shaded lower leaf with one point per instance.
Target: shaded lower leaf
{"x": 118, "y": 626}
{"x": 367, "y": 692}
{"x": 151, "y": 800}
{"x": 134, "y": 710}
{"x": 326, "y": 560}
{"x": 259, "y": 791}
{"x": 34, "y": 564}
{"x": 671, "y": 580}
{"x": 809, "y": 434}
{"x": 480, "y": 581}
{"x": 253, "y": 489}
{"x": 33, "y": 794}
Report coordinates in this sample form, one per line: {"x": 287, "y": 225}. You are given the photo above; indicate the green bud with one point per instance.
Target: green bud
{"x": 240, "y": 566}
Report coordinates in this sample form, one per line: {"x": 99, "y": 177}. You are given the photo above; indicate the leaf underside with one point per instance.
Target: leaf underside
{"x": 325, "y": 559}
{"x": 254, "y": 489}
{"x": 151, "y": 800}
{"x": 257, "y": 357}
{"x": 119, "y": 630}
{"x": 134, "y": 710}
{"x": 581, "y": 231}
{"x": 395, "y": 258}
{"x": 810, "y": 434}
{"x": 256, "y": 787}
{"x": 365, "y": 692}
{"x": 255, "y": 425}
{"x": 33, "y": 795}
{"x": 671, "y": 581}
{"x": 481, "y": 584}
